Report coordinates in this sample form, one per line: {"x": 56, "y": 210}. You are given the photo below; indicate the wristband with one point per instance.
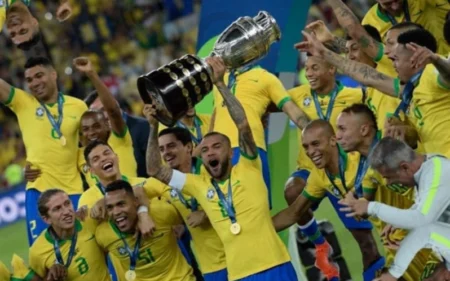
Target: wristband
{"x": 142, "y": 209}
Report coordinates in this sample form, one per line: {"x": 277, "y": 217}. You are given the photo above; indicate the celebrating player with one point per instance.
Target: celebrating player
{"x": 176, "y": 148}
{"x": 22, "y": 27}
{"x": 148, "y": 259}
{"x": 49, "y": 121}
{"x": 357, "y": 131}
{"x": 67, "y": 245}
{"x": 233, "y": 197}
{"x": 425, "y": 96}
{"x": 427, "y": 220}
{"x": 336, "y": 174}
{"x": 323, "y": 98}
{"x": 94, "y": 126}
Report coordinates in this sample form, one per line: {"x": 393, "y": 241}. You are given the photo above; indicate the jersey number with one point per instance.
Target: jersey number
{"x": 32, "y": 228}
{"x": 82, "y": 265}
{"x": 146, "y": 256}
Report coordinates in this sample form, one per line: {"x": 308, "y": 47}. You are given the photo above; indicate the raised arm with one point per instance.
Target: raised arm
{"x": 5, "y": 89}
{"x": 110, "y": 104}
{"x": 352, "y": 26}
{"x": 246, "y": 141}
{"x": 324, "y": 35}
{"x": 155, "y": 168}
{"x": 423, "y": 56}
{"x": 362, "y": 73}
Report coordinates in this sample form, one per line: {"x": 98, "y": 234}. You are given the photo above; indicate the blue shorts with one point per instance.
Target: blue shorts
{"x": 221, "y": 275}
{"x": 282, "y": 272}
{"x": 35, "y": 224}
{"x": 265, "y": 167}
{"x": 350, "y": 223}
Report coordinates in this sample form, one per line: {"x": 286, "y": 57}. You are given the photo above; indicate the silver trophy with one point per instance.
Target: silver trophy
{"x": 181, "y": 84}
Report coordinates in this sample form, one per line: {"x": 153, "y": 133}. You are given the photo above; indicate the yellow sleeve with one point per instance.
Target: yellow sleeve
{"x": 173, "y": 217}
{"x": 124, "y": 138}
{"x": 193, "y": 184}
{"x": 100, "y": 234}
{"x": 18, "y": 100}
{"x": 4, "y": 272}
{"x": 154, "y": 188}
{"x": 206, "y": 121}
{"x": 247, "y": 161}
{"x": 2, "y": 16}
{"x": 275, "y": 90}
{"x": 37, "y": 261}
{"x": 314, "y": 189}
{"x": 370, "y": 182}
{"x": 20, "y": 271}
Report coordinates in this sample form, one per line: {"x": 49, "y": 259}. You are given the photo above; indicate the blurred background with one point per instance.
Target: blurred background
{"x": 124, "y": 39}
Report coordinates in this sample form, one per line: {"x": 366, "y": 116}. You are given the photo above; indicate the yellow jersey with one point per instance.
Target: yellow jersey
{"x": 206, "y": 244}
{"x": 251, "y": 206}
{"x": 200, "y": 128}
{"x": 382, "y": 105}
{"x": 20, "y": 271}
{"x": 255, "y": 89}
{"x": 319, "y": 185}
{"x": 58, "y": 163}
{"x": 159, "y": 258}
{"x": 385, "y": 64}
{"x": 429, "y": 112}
{"x": 430, "y": 14}
{"x": 88, "y": 262}
{"x": 403, "y": 198}
{"x": 123, "y": 147}
{"x": 303, "y": 97}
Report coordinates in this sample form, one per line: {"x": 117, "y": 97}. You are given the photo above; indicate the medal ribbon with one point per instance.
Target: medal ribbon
{"x": 59, "y": 258}
{"x": 226, "y": 202}
{"x": 56, "y": 124}
{"x": 133, "y": 254}
{"x": 101, "y": 188}
{"x": 234, "y": 74}
{"x": 362, "y": 169}
{"x": 330, "y": 105}
{"x": 341, "y": 175}
{"x": 197, "y": 138}
{"x": 405, "y": 12}
{"x": 407, "y": 94}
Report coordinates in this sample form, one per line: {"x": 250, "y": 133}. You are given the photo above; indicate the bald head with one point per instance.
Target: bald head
{"x": 319, "y": 124}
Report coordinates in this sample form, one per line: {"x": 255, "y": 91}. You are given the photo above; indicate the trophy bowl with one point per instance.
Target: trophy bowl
{"x": 180, "y": 85}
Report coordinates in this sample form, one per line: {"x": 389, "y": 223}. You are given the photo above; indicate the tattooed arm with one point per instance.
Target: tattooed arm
{"x": 324, "y": 35}
{"x": 153, "y": 157}
{"x": 297, "y": 115}
{"x": 352, "y": 26}
{"x": 363, "y": 73}
{"x": 337, "y": 45}
{"x": 246, "y": 141}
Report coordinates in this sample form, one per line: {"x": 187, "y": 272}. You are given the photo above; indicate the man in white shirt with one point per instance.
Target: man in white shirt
{"x": 428, "y": 219}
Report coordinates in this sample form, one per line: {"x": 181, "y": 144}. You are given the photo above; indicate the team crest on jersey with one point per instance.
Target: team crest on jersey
{"x": 307, "y": 101}
{"x": 374, "y": 181}
{"x": 122, "y": 251}
{"x": 173, "y": 193}
{"x": 39, "y": 112}
{"x": 85, "y": 168}
{"x": 210, "y": 193}
{"x": 336, "y": 192}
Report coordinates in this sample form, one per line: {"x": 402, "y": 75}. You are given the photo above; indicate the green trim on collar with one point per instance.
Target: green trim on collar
{"x": 117, "y": 231}
{"x": 381, "y": 14}
{"x": 344, "y": 155}
{"x": 53, "y": 103}
{"x": 121, "y": 135}
{"x": 380, "y": 53}
{"x": 78, "y": 228}
{"x": 397, "y": 87}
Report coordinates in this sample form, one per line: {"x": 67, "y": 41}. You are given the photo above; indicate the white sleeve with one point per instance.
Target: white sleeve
{"x": 178, "y": 180}
{"x": 409, "y": 247}
{"x": 400, "y": 218}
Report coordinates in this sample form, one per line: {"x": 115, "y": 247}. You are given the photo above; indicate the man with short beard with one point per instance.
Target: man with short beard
{"x": 233, "y": 197}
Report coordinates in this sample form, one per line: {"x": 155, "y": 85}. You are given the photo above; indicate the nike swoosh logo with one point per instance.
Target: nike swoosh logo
{"x": 159, "y": 236}
{"x": 440, "y": 5}
{"x": 419, "y": 12}
{"x": 253, "y": 80}
{"x": 236, "y": 183}
{"x": 342, "y": 102}
{"x": 73, "y": 117}
{"x": 92, "y": 237}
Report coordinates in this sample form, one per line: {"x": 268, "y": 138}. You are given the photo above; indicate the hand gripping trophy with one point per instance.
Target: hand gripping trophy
{"x": 178, "y": 86}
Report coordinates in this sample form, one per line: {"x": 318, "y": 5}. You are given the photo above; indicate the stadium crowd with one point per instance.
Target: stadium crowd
{"x": 112, "y": 196}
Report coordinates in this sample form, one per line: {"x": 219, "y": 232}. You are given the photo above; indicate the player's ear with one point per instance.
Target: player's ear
{"x": 190, "y": 147}
{"x": 333, "y": 141}
{"x": 46, "y": 219}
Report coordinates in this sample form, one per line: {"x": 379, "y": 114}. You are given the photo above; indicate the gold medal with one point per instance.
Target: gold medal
{"x": 130, "y": 275}
{"x": 63, "y": 141}
{"x": 235, "y": 228}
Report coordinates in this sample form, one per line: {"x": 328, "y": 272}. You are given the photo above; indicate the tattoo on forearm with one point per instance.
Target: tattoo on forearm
{"x": 153, "y": 158}
{"x": 237, "y": 113}
{"x": 337, "y": 45}
{"x": 302, "y": 120}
